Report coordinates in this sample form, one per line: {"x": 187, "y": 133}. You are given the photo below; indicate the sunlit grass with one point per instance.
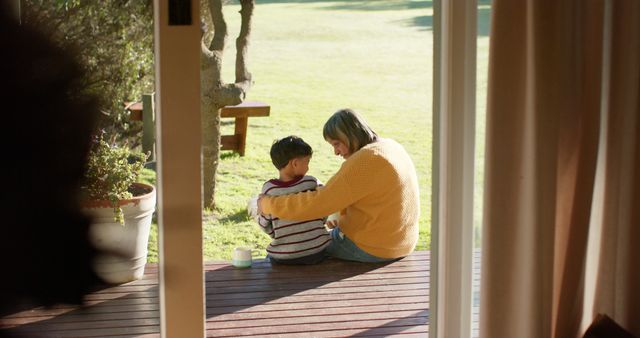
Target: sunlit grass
{"x": 308, "y": 59}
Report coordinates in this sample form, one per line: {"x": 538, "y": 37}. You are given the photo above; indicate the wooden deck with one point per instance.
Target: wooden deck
{"x": 335, "y": 298}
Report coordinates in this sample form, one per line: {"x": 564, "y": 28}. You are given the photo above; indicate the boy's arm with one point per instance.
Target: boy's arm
{"x": 266, "y": 224}
{"x": 265, "y": 221}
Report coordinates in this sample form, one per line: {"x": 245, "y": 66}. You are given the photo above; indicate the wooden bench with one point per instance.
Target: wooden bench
{"x": 143, "y": 111}
{"x": 238, "y": 141}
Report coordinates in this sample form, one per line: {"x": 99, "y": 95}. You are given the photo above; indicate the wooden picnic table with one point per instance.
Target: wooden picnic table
{"x": 241, "y": 113}
{"x": 238, "y": 141}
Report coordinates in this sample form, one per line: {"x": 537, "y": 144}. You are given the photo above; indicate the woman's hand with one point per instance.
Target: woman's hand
{"x": 259, "y": 203}
{"x": 332, "y": 223}
{"x": 332, "y": 220}
{"x": 252, "y": 207}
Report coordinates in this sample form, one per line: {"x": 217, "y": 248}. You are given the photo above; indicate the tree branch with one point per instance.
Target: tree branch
{"x": 219, "y": 26}
{"x": 227, "y": 94}
{"x": 242, "y": 43}
{"x": 230, "y": 94}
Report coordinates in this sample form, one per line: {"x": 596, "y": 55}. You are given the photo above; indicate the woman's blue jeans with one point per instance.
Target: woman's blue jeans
{"x": 343, "y": 248}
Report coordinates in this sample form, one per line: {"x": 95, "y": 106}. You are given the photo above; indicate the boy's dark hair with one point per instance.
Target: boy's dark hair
{"x": 288, "y": 148}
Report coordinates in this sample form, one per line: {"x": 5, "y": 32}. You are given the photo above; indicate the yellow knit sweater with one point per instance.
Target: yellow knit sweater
{"x": 376, "y": 190}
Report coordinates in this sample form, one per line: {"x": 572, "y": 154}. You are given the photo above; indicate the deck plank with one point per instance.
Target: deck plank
{"x": 335, "y": 298}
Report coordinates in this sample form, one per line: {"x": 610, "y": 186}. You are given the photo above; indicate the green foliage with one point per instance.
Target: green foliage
{"x": 113, "y": 40}
{"x": 147, "y": 176}
{"x": 111, "y": 170}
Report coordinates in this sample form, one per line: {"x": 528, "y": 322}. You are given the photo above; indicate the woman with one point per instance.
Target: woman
{"x": 375, "y": 190}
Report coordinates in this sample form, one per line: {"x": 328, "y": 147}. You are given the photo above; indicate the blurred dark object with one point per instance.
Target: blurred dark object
{"x": 605, "y": 327}
{"x": 179, "y": 12}
{"x": 45, "y": 253}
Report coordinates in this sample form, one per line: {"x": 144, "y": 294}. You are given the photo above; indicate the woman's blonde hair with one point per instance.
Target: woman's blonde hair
{"x": 350, "y": 128}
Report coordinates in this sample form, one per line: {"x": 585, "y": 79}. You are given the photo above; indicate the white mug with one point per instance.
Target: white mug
{"x": 242, "y": 257}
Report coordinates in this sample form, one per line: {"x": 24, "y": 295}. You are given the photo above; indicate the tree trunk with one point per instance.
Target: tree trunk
{"x": 217, "y": 94}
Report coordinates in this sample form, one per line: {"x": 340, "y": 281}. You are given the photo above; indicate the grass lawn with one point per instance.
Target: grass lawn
{"x": 308, "y": 59}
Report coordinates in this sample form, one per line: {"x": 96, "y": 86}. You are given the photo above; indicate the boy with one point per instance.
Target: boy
{"x": 293, "y": 241}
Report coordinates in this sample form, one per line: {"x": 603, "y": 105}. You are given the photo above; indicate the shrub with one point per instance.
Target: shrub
{"x": 110, "y": 173}
{"x": 113, "y": 41}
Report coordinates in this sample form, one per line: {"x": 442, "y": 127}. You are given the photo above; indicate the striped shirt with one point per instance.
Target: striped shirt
{"x": 293, "y": 238}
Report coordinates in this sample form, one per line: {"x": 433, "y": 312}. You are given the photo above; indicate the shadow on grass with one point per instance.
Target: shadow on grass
{"x": 237, "y": 217}
{"x": 365, "y": 5}
{"x": 425, "y": 22}
{"x": 381, "y": 5}
{"x": 225, "y": 154}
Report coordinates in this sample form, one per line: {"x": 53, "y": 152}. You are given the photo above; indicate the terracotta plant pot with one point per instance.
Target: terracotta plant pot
{"x": 123, "y": 246}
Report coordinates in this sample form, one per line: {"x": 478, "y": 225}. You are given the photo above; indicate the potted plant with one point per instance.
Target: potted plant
{"x": 121, "y": 209}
